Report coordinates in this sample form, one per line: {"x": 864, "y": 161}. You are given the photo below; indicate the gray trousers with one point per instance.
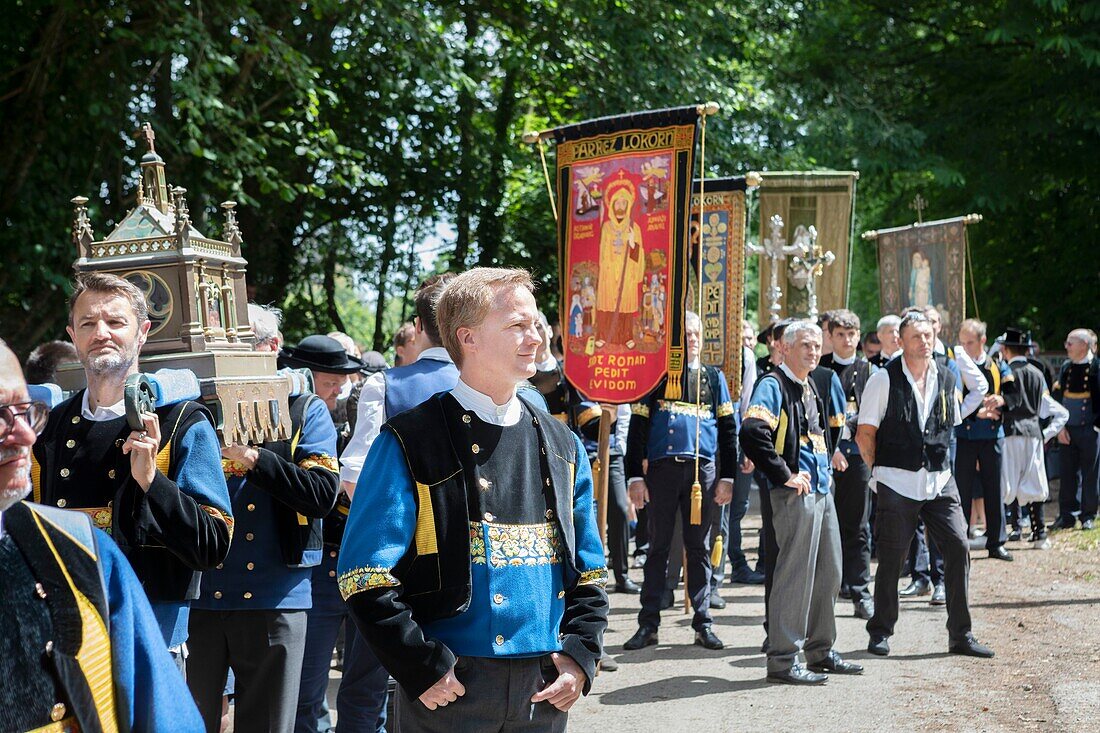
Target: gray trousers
{"x": 264, "y": 649}
{"x": 497, "y": 700}
{"x": 806, "y": 579}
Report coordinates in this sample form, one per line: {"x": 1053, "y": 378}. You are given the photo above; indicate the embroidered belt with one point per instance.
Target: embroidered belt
{"x": 513, "y": 545}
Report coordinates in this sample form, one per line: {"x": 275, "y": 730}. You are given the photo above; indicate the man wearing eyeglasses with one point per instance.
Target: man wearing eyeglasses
{"x": 106, "y": 671}
{"x": 159, "y": 491}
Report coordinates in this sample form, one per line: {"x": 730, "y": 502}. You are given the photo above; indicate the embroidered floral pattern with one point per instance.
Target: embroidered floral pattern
{"x": 594, "y": 577}
{"x": 512, "y": 545}
{"x": 100, "y": 516}
{"x": 725, "y": 409}
{"x": 759, "y": 412}
{"x": 686, "y": 408}
{"x": 233, "y": 468}
{"x": 320, "y": 460}
{"x": 219, "y": 514}
{"x": 363, "y": 579}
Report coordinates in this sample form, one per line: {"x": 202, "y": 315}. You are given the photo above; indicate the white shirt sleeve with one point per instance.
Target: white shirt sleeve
{"x": 370, "y": 417}
{"x": 622, "y": 426}
{"x": 748, "y": 380}
{"x": 1058, "y": 414}
{"x": 876, "y": 394}
{"x": 974, "y": 380}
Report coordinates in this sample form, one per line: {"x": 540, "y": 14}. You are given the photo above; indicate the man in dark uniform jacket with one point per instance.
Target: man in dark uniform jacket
{"x": 159, "y": 491}
{"x": 1078, "y": 389}
{"x": 663, "y": 437}
{"x": 850, "y": 472}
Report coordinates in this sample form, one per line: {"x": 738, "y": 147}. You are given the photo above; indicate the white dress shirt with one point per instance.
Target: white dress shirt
{"x": 371, "y": 415}
{"x": 748, "y": 380}
{"x": 976, "y": 383}
{"x": 920, "y": 485}
{"x": 483, "y": 406}
{"x": 103, "y": 412}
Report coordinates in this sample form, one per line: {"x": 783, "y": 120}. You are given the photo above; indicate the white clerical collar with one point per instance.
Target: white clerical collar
{"x": 434, "y": 352}
{"x": 787, "y": 370}
{"x": 103, "y": 412}
{"x": 842, "y": 361}
{"x": 1015, "y": 359}
{"x": 483, "y": 406}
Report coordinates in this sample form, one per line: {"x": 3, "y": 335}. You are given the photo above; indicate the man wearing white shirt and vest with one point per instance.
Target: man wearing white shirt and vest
{"x": 905, "y": 422}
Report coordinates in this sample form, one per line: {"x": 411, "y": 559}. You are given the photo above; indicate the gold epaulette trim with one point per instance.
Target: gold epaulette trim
{"x": 725, "y": 409}
{"x": 592, "y": 413}
{"x": 640, "y": 409}
{"x": 364, "y": 579}
{"x": 320, "y": 460}
{"x": 219, "y": 514}
{"x": 594, "y": 577}
{"x": 759, "y": 412}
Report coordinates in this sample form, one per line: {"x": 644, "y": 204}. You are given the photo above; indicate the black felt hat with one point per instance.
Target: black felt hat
{"x": 1016, "y": 337}
{"x": 321, "y": 354}
{"x": 771, "y": 331}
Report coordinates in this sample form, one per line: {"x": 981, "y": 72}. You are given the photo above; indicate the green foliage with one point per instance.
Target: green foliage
{"x": 356, "y": 134}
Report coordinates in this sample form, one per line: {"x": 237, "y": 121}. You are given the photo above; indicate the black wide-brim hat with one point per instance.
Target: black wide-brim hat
{"x": 321, "y": 354}
{"x": 769, "y": 331}
{"x": 1017, "y": 337}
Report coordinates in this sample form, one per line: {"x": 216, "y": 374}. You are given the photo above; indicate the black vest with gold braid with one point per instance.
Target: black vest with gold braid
{"x": 60, "y": 556}
{"x": 435, "y": 571}
{"x": 78, "y": 464}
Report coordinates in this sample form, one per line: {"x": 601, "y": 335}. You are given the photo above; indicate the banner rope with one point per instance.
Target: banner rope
{"x": 546, "y": 175}
{"x": 970, "y": 269}
{"x": 697, "y": 487}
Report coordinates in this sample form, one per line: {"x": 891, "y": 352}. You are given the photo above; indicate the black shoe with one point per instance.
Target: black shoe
{"x": 716, "y": 601}
{"x": 845, "y": 593}
{"x": 706, "y": 639}
{"x": 626, "y": 585}
{"x": 668, "y": 598}
{"x": 833, "y": 663}
{"x": 879, "y": 645}
{"x": 970, "y": 647}
{"x": 1000, "y": 553}
{"x": 1015, "y": 535}
{"x": 939, "y": 596}
{"x": 1088, "y": 524}
{"x": 1062, "y": 523}
{"x": 643, "y": 637}
{"x": 798, "y": 675}
{"x": 919, "y": 587}
{"x": 747, "y": 576}
{"x": 608, "y": 663}
{"x": 864, "y": 608}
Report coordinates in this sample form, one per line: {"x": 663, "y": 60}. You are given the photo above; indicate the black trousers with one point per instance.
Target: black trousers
{"x": 897, "y": 521}
{"x": 853, "y": 510}
{"x": 265, "y": 650}
{"x": 669, "y": 481}
{"x": 1079, "y": 489}
{"x": 618, "y": 529}
{"x": 978, "y": 474}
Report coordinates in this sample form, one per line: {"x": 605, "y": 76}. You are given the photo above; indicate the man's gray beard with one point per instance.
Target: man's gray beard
{"x": 108, "y": 364}
{"x": 12, "y": 495}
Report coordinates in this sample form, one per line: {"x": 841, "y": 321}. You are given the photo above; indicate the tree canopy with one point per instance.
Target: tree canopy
{"x": 368, "y": 141}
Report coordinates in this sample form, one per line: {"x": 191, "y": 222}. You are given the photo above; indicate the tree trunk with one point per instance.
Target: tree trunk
{"x": 490, "y": 226}
{"x": 389, "y": 254}
{"x": 329, "y": 284}
{"x": 465, "y": 182}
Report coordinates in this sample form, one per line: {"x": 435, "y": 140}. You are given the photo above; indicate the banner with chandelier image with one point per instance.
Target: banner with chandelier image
{"x": 924, "y": 264}
{"x": 721, "y": 244}
{"x": 624, "y": 186}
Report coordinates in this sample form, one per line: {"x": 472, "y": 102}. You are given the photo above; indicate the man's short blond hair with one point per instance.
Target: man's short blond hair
{"x": 104, "y": 282}
{"x": 976, "y": 327}
{"x": 467, "y": 299}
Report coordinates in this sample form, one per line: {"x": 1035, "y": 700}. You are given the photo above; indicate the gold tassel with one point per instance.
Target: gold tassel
{"x": 696, "y": 503}
{"x": 716, "y": 551}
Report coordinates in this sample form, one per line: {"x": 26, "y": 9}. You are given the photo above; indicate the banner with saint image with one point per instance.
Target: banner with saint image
{"x": 624, "y": 187}
{"x": 722, "y": 247}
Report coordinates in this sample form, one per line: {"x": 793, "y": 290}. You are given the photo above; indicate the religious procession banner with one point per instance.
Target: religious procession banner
{"x": 722, "y": 247}
{"x": 624, "y": 187}
{"x": 924, "y": 264}
{"x": 824, "y": 200}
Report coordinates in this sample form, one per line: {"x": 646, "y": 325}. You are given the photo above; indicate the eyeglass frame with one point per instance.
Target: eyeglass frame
{"x": 28, "y": 405}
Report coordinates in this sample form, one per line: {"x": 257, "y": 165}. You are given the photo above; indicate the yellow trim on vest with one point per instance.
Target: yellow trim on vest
{"x": 94, "y": 655}
{"x": 995, "y": 372}
{"x": 65, "y": 725}
{"x": 164, "y": 455}
{"x": 781, "y": 433}
{"x": 1076, "y": 395}
{"x": 425, "y": 522}
{"x": 36, "y": 479}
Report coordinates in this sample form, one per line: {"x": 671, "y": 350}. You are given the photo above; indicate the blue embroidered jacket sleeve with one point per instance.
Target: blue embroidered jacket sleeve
{"x": 151, "y": 695}
{"x": 586, "y": 606}
{"x": 191, "y": 514}
{"x": 380, "y": 529}
{"x": 310, "y": 485}
{"x": 760, "y": 429}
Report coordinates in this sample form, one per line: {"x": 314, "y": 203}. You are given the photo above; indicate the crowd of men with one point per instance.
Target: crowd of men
{"x": 435, "y": 521}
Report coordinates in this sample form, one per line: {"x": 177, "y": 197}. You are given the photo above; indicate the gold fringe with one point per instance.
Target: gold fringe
{"x": 696, "y": 503}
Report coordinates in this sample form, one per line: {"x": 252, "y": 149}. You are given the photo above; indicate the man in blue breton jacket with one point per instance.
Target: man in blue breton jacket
{"x": 471, "y": 562}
